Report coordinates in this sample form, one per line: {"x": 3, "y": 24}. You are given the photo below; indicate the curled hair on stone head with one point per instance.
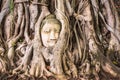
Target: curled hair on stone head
{"x": 50, "y": 19}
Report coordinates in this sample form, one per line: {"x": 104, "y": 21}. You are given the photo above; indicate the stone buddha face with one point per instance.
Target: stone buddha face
{"x": 50, "y": 32}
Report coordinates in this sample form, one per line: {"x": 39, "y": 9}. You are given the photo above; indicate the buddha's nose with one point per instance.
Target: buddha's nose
{"x": 52, "y": 35}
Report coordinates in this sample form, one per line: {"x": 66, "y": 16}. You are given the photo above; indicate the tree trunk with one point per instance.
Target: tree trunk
{"x": 88, "y": 44}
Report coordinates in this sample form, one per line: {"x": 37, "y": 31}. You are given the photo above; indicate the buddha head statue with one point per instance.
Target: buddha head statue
{"x": 50, "y": 30}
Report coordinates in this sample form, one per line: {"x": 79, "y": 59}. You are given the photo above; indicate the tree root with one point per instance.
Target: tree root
{"x": 109, "y": 67}
{"x": 25, "y": 60}
{"x": 38, "y": 69}
{"x": 3, "y": 64}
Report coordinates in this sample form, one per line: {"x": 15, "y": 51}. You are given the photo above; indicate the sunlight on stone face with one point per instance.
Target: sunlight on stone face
{"x": 50, "y": 34}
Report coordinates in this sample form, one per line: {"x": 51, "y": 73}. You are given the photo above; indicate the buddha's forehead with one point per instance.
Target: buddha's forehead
{"x": 51, "y": 26}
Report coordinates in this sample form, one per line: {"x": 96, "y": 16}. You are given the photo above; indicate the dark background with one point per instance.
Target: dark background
{"x": 117, "y": 5}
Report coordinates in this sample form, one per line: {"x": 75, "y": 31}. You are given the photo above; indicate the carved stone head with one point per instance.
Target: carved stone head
{"x": 50, "y": 30}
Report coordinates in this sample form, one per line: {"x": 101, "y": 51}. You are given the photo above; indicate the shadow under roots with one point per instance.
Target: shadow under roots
{"x": 8, "y": 76}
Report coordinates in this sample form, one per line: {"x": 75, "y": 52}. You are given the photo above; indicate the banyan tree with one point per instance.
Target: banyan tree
{"x": 59, "y": 40}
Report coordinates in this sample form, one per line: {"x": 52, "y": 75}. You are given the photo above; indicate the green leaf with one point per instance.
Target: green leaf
{"x": 114, "y": 62}
{"x": 11, "y": 6}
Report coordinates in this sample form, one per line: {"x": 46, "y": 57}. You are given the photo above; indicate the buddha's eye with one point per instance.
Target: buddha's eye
{"x": 47, "y": 31}
{"x": 57, "y": 31}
